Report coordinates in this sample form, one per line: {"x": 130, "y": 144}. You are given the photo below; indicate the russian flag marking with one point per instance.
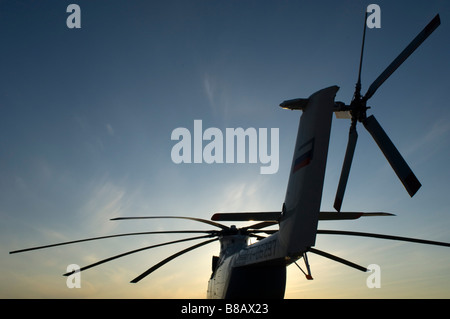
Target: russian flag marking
{"x": 306, "y": 154}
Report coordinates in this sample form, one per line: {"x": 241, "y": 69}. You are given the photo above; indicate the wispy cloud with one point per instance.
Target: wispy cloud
{"x": 210, "y": 89}
{"x": 244, "y": 195}
{"x": 434, "y": 134}
{"x": 216, "y": 95}
{"x": 107, "y": 200}
{"x": 110, "y": 129}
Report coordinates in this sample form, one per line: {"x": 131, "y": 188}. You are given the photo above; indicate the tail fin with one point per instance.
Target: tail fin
{"x": 298, "y": 224}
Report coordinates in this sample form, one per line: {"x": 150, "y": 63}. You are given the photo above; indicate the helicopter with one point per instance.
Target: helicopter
{"x": 238, "y": 269}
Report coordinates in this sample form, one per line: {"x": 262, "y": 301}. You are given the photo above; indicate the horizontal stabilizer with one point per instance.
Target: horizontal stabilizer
{"x": 250, "y": 216}
{"x": 275, "y": 216}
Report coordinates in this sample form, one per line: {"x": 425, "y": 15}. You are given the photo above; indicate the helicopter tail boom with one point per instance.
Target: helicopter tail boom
{"x": 300, "y": 215}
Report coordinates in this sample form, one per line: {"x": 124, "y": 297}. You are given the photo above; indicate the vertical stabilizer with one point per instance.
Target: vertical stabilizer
{"x": 298, "y": 224}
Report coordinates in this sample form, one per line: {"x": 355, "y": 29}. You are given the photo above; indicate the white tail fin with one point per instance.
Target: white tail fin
{"x": 298, "y": 225}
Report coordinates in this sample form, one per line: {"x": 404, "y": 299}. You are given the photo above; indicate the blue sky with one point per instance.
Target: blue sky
{"x": 87, "y": 115}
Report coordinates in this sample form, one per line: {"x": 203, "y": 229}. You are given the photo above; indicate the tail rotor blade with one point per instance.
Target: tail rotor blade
{"x": 358, "y": 83}
{"x": 352, "y": 139}
{"x": 165, "y": 261}
{"x": 415, "y": 43}
{"x": 394, "y": 157}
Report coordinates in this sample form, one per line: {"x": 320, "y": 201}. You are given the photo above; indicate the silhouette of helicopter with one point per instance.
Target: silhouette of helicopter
{"x": 258, "y": 270}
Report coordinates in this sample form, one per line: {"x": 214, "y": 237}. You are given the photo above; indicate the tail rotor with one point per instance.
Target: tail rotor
{"x": 358, "y": 108}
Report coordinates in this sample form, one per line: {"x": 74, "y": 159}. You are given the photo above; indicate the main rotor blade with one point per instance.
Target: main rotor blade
{"x": 135, "y": 251}
{"x": 112, "y": 236}
{"x": 338, "y": 259}
{"x": 177, "y": 217}
{"x": 360, "y": 234}
{"x": 165, "y": 261}
{"x": 415, "y": 43}
{"x": 268, "y": 232}
{"x": 394, "y": 157}
{"x": 352, "y": 139}
{"x": 260, "y": 225}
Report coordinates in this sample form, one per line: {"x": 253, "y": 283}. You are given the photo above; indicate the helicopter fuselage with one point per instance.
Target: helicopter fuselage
{"x": 233, "y": 278}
